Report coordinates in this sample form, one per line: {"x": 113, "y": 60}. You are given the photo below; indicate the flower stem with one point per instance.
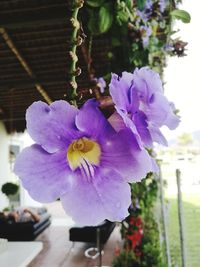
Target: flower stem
{"x": 75, "y": 41}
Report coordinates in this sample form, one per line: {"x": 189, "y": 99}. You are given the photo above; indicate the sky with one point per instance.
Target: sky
{"x": 182, "y": 74}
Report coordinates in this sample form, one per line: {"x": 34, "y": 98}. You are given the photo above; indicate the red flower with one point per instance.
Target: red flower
{"x": 132, "y": 221}
{"x": 138, "y": 222}
{"x": 135, "y": 238}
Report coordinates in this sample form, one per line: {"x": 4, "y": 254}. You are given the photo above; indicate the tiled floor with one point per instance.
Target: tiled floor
{"x": 58, "y": 251}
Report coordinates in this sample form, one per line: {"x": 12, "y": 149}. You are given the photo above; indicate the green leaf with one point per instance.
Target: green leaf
{"x": 183, "y": 15}
{"x": 141, "y": 4}
{"x": 95, "y": 3}
{"x": 93, "y": 24}
{"x": 129, "y": 4}
{"x": 105, "y": 18}
{"x": 122, "y": 16}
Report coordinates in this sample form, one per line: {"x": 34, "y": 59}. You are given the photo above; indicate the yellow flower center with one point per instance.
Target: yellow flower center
{"x": 83, "y": 152}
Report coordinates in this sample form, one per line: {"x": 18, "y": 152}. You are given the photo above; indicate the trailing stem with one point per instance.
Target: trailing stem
{"x": 76, "y": 40}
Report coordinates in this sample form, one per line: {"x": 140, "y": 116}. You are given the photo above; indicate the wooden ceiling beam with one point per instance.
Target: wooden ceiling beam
{"x": 34, "y": 19}
{"x": 24, "y": 64}
{"x": 41, "y": 47}
{"x": 43, "y": 55}
{"x": 37, "y": 34}
{"x": 32, "y": 7}
{"x": 27, "y": 84}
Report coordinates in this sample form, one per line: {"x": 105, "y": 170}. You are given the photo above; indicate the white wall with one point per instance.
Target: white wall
{"x": 4, "y": 162}
{"x": 6, "y": 173}
{"x": 25, "y": 200}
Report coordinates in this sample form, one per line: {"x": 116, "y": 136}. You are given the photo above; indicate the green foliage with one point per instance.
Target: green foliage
{"x": 6, "y": 209}
{"x": 125, "y": 259}
{"x": 127, "y": 23}
{"x": 150, "y": 248}
{"x": 9, "y": 189}
{"x": 191, "y": 207}
{"x": 141, "y": 4}
{"x": 182, "y": 15}
{"x": 93, "y": 24}
{"x": 129, "y": 4}
{"x": 144, "y": 194}
{"x": 95, "y": 3}
{"x": 151, "y": 255}
{"x": 105, "y": 18}
{"x": 147, "y": 252}
{"x": 100, "y": 19}
{"x": 123, "y": 12}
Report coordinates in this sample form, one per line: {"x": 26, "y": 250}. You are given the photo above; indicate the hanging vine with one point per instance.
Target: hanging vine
{"x": 76, "y": 40}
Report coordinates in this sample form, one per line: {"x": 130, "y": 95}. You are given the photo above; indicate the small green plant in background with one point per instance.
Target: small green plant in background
{"x": 10, "y": 189}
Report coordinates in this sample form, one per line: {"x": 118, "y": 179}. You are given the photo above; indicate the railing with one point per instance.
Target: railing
{"x": 182, "y": 207}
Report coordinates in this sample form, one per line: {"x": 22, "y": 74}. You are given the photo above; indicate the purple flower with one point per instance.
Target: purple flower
{"x": 146, "y": 32}
{"x": 79, "y": 158}
{"x": 162, "y": 5}
{"x": 101, "y": 84}
{"x": 146, "y": 13}
{"x": 142, "y": 106}
{"x": 142, "y": 16}
{"x": 148, "y": 4}
{"x": 169, "y": 47}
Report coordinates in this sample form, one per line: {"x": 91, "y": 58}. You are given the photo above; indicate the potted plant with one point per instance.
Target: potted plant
{"x": 11, "y": 190}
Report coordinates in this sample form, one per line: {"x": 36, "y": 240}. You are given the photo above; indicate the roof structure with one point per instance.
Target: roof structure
{"x": 34, "y": 60}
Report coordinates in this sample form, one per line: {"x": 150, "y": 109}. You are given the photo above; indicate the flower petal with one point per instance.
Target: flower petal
{"x": 120, "y": 90}
{"x": 141, "y": 124}
{"x": 131, "y": 125}
{"x": 91, "y": 121}
{"x": 157, "y": 136}
{"x": 51, "y": 126}
{"x": 101, "y": 84}
{"x": 165, "y": 116}
{"x": 147, "y": 82}
{"x": 107, "y": 196}
{"x": 117, "y": 122}
{"x": 46, "y": 176}
{"x": 172, "y": 121}
{"x": 155, "y": 167}
{"x": 124, "y": 155}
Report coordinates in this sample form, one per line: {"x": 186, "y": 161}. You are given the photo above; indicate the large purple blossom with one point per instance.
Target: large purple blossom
{"x": 79, "y": 158}
{"x": 142, "y": 106}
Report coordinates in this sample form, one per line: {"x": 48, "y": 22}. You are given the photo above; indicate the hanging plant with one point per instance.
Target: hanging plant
{"x": 82, "y": 157}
